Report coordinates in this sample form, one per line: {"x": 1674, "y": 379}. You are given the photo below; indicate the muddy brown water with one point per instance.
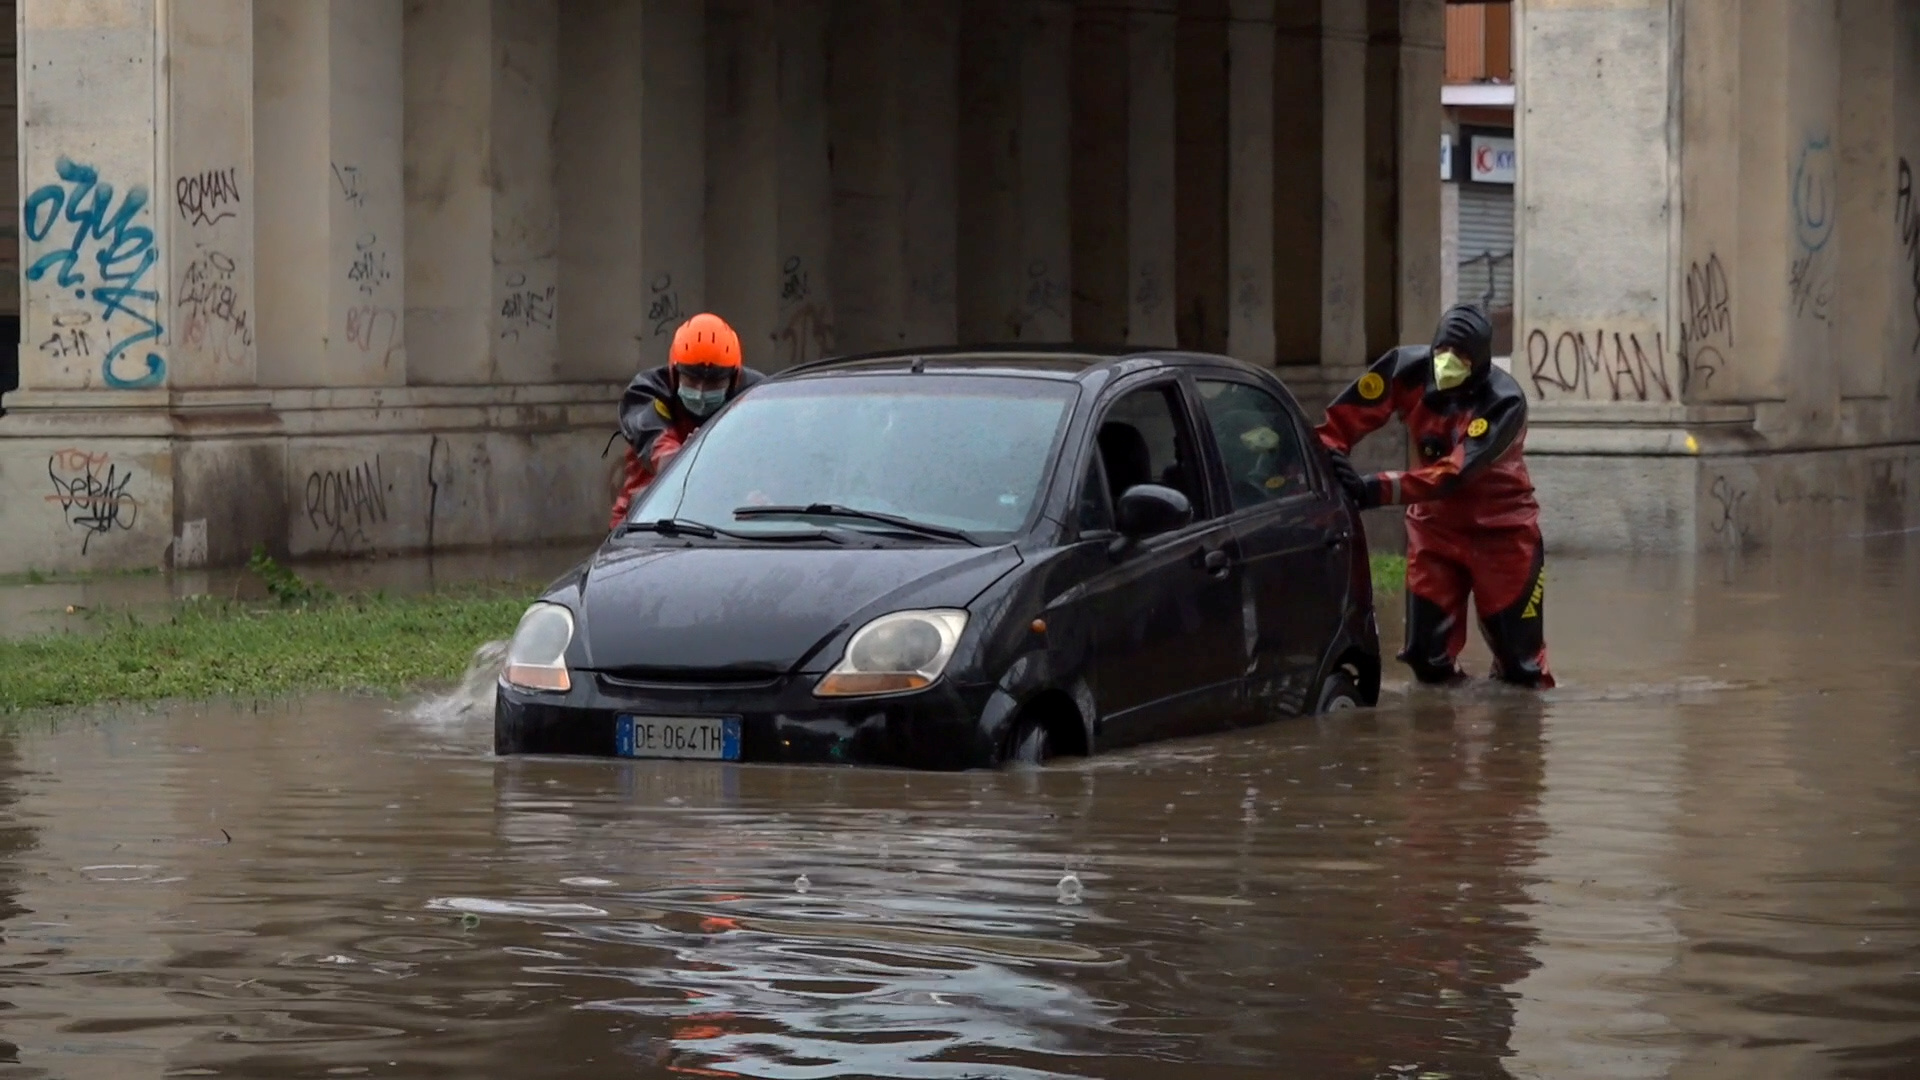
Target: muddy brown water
{"x": 1698, "y": 858}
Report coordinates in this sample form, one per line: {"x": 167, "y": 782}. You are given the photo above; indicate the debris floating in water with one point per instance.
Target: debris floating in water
{"x": 801, "y": 884}
{"x": 469, "y": 920}
{"x": 1070, "y": 889}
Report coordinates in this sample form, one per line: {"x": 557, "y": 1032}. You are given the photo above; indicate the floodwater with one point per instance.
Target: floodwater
{"x": 1698, "y": 858}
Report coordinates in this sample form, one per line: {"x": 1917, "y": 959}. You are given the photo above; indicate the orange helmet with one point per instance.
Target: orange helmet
{"x": 705, "y": 341}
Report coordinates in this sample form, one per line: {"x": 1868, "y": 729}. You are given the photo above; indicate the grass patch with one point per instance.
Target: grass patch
{"x": 54, "y": 577}
{"x": 213, "y": 648}
{"x": 1389, "y": 573}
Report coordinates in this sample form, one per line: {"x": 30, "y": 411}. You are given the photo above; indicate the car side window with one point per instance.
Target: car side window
{"x": 1096, "y": 505}
{"x": 1259, "y": 442}
{"x": 1144, "y": 439}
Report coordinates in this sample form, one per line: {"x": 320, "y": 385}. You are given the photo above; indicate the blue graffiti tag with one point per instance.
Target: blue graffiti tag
{"x": 122, "y": 255}
{"x": 1813, "y": 194}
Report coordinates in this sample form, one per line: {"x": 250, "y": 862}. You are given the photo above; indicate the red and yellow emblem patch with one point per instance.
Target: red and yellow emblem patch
{"x": 1477, "y": 428}
{"x": 1371, "y": 386}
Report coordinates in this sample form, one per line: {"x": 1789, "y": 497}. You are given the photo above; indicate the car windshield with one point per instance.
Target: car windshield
{"x": 956, "y": 452}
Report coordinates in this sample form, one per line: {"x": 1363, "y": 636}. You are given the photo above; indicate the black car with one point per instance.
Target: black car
{"x": 956, "y": 558}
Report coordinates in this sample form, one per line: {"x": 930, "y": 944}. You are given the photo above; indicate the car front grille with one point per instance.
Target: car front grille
{"x": 697, "y": 679}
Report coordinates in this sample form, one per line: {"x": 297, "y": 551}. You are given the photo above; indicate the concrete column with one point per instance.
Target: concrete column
{"x": 449, "y": 72}
{"x": 331, "y": 240}
{"x": 1201, "y": 174}
{"x": 1423, "y": 61}
{"x": 805, "y": 330}
{"x": 1099, "y": 176}
{"x": 96, "y": 287}
{"x": 870, "y": 288}
{"x": 524, "y": 223}
{"x": 208, "y": 207}
{"x": 927, "y": 122}
{"x": 1380, "y": 188}
{"x": 1867, "y": 337}
{"x": 1253, "y": 199}
{"x": 1343, "y": 171}
{"x": 1594, "y": 231}
{"x": 991, "y": 270}
{"x": 1151, "y": 186}
{"x": 631, "y": 160}
{"x": 1044, "y": 307}
{"x": 743, "y": 173}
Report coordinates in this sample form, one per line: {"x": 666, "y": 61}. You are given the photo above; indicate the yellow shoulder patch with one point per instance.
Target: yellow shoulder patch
{"x": 660, "y": 406}
{"x": 1477, "y": 428}
{"x": 1371, "y": 386}
{"x": 1275, "y": 483}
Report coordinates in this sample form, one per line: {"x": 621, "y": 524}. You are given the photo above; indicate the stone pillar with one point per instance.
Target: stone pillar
{"x": 1870, "y": 44}
{"x": 1043, "y": 304}
{"x": 1100, "y": 179}
{"x": 1254, "y": 202}
{"x": 209, "y": 199}
{"x": 870, "y": 287}
{"x": 631, "y": 160}
{"x": 331, "y": 243}
{"x": 95, "y": 309}
{"x": 1151, "y": 186}
{"x": 524, "y": 223}
{"x": 1422, "y": 70}
{"x": 989, "y": 206}
{"x": 1202, "y": 184}
{"x": 805, "y": 330}
{"x": 1345, "y": 191}
{"x": 927, "y": 124}
{"x": 743, "y": 173}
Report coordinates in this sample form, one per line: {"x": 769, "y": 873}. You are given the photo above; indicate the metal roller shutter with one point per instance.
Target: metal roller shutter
{"x": 1486, "y": 246}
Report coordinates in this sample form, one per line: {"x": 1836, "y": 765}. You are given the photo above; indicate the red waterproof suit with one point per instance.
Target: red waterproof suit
{"x": 1473, "y": 526}
{"x": 656, "y": 425}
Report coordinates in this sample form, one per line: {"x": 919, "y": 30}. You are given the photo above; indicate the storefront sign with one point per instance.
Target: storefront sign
{"x": 1491, "y": 160}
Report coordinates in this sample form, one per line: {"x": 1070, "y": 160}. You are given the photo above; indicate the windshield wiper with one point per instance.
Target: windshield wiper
{"x": 835, "y": 510}
{"x": 687, "y": 527}
{"x": 670, "y": 527}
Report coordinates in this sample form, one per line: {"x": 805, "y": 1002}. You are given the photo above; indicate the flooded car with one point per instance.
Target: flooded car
{"x": 956, "y": 559}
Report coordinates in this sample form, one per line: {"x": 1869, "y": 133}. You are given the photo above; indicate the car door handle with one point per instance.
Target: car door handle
{"x": 1216, "y": 561}
{"x": 1338, "y": 540}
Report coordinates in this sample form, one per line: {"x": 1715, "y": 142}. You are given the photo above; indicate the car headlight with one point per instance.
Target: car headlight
{"x": 537, "y": 658}
{"x": 895, "y": 653}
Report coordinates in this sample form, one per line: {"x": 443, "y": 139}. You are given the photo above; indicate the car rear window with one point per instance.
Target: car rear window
{"x": 964, "y": 452}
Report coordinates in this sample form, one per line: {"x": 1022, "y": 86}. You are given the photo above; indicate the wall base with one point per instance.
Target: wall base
{"x": 195, "y": 479}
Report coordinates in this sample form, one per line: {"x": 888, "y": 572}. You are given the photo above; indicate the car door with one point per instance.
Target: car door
{"x": 1293, "y": 534}
{"x": 1168, "y": 647}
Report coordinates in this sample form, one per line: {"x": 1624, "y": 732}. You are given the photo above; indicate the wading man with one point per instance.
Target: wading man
{"x": 1473, "y": 527}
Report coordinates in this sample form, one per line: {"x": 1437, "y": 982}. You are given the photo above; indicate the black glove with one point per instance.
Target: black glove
{"x": 1364, "y": 495}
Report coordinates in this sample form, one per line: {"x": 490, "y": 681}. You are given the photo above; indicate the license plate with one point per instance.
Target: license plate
{"x": 707, "y": 738}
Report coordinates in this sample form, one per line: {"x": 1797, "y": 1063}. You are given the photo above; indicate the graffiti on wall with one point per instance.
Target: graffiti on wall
{"x": 212, "y": 316}
{"x": 347, "y": 179}
{"x": 92, "y": 494}
{"x": 663, "y": 310}
{"x": 1907, "y": 218}
{"x": 1605, "y": 365}
{"x": 1815, "y": 212}
{"x": 343, "y": 503}
{"x": 525, "y": 307}
{"x": 1045, "y": 298}
{"x": 209, "y": 197}
{"x": 368, "y": 270}
{"x": 374, "y": 330}
{"x": 101, "y": 248}
{"x": 1706, "y": 330}
{"x": 806, "y": 326}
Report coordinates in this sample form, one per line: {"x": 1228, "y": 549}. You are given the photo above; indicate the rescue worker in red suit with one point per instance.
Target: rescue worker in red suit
{"x": 1473, "y": 527}
{"x": 662, "y": 408}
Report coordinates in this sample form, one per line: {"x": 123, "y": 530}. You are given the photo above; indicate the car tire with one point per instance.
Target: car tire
{"x": 1338, "y": 693}
{"x": 1028, "y": 745}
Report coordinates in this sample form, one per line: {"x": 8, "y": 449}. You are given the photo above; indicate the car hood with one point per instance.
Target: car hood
{"x": 759, "y": 610}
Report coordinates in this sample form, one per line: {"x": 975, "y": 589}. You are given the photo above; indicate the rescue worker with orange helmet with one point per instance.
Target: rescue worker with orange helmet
{"x": 662, "y": 408}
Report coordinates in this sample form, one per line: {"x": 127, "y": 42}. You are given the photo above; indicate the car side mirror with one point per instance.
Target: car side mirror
{"x": 1150, "y": 509}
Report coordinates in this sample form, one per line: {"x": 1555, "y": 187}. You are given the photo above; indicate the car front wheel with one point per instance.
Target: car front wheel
{"x": 1338, "y": 693}
{"x": 1029, "y": 745}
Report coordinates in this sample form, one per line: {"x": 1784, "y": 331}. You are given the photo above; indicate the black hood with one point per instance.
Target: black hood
{"x": 1467, "y": 331}
{"x": 759, "y": 610}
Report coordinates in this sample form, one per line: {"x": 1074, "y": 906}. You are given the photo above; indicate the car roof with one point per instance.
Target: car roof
{"x": 1060, "y": 362}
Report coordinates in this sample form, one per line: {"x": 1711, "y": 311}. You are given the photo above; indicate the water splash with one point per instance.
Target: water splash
{"x": 473, "y": 697}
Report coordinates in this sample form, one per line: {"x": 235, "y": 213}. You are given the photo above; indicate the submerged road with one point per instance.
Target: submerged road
{"x": 1698, "y": 858}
